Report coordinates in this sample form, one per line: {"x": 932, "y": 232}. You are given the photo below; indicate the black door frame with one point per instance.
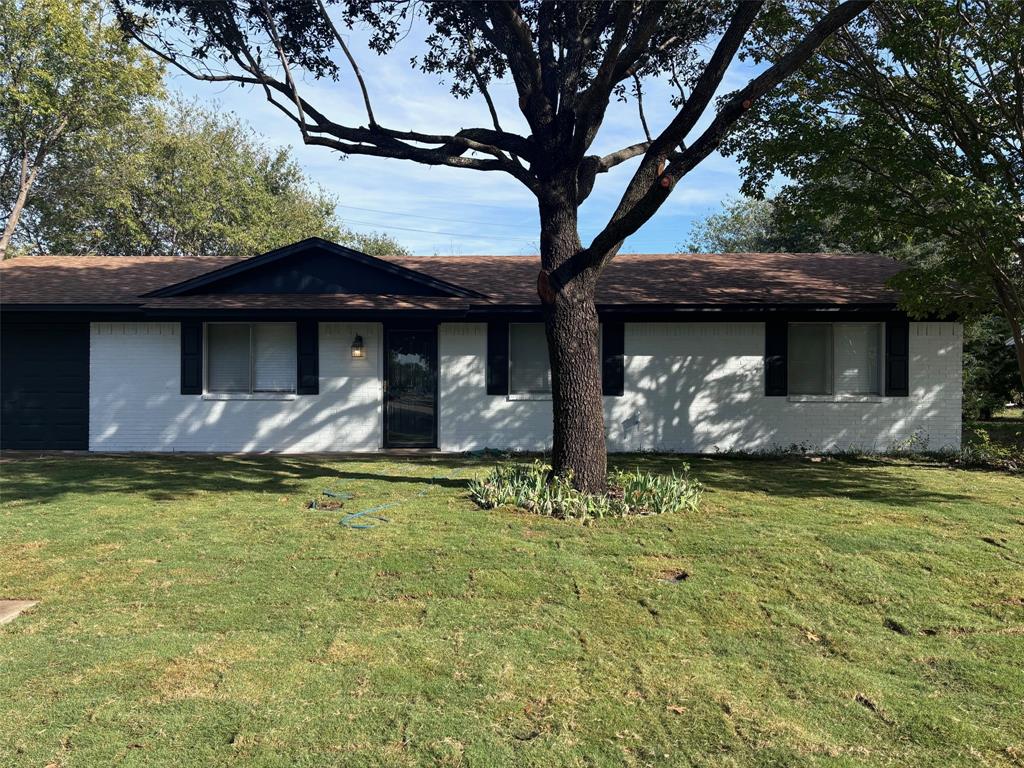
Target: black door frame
{"x": 425, "y": 327}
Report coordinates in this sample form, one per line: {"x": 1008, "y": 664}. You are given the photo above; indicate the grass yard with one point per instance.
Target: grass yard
{"x": 194, "y": 614}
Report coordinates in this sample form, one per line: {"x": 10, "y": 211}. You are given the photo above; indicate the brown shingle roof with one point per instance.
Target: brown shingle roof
{"x": 94, "y": 279}
{"x": 688, "y": 279}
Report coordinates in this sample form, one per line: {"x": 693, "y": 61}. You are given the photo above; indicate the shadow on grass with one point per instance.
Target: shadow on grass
{"x": 169, "y": 477}
{"x": 874, "y": 480}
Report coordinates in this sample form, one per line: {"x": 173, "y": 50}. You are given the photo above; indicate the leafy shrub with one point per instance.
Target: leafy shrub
{"x": 983, "y": 453}
{"x": 991, "y": 378}
{"x": 531, "y": 487}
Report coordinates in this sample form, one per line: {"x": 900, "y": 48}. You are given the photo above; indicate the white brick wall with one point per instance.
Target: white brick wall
{"x": 689, "y": 387}
{"x": 470, "y": 419}
{"x": 135, "y": 402}
{"x": 699, "y": 387}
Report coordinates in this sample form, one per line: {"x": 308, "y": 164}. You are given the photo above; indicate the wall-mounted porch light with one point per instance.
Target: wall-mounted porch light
{"x": 358, "y": 350}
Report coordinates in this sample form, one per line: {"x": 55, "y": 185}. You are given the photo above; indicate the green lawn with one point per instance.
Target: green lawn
{"x": 194, "y": 614}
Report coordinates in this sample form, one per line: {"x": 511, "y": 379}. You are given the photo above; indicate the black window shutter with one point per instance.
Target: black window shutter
{"x": 191, "y": 357}
{"x": 613, "y": 343}
{"x": 776, "y": 369}
{"x": 497, "y": 358}
{"x": 897, "y": 358}
{"x": 307, "y": 344}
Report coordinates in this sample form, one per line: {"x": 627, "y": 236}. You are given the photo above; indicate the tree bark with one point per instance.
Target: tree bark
{"x": 571, "y": 324}
{"x": 26, "y": 180}
{"x": 578, "y": 448}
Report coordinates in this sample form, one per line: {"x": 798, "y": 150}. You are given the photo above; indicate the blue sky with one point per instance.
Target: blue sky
{"x": 452, "y": 211}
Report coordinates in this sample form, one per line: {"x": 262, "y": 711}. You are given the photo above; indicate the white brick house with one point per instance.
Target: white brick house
{"x": 318, "y": 348}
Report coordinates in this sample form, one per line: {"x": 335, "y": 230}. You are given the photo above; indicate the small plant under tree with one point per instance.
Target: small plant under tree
{"x": 568, "y": 60}
{"x": 636, "y": 493}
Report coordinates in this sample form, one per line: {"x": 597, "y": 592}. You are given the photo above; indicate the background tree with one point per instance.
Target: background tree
{"x": 567, "y": 61}
{"x": 761, "y": 225}
{"x": 178, "y": 180}
{"x": 66, "y": 73}
{"x": 907, "y": 129}
{"x": 991, "y": 379}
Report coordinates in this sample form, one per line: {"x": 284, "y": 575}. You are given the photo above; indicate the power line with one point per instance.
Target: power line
{"x": 430, "y": 218}
{"x": 476, "y": 236}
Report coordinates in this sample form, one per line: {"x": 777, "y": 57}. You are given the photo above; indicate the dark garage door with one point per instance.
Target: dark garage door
{"x": 44, "y": 386}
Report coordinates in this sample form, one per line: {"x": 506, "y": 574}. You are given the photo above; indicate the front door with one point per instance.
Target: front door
{"x": 410, "y": 394}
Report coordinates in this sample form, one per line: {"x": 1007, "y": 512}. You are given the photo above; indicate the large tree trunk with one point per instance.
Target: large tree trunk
{"x": 573, "y": 337}
{"x": 570, "y": 319}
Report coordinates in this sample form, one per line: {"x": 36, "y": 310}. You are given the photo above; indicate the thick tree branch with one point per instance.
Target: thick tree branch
{"x": 662, "y": 148}
{"x": 638, "y": 44}
{"x": 621, "y": 55}
{"x": 603, "y": 81}
{"x": 549, "y": 65}
{"x": 500, "y": 24}
{"x": 376, "y": 140}
{"x": 643, "y": 198}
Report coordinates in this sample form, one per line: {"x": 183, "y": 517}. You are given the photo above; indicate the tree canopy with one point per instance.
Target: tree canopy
{"x": 93, "y": 158}
{"x": 67, "y": 74}
{"x": 906, "y": 129}
{"x": 991, "y": 379}
{"x": 179, "y": 180}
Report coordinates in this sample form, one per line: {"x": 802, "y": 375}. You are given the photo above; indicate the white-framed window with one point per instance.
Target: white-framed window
{"x": 835, "y": 358}
{"x": 529, "y": 367}
{"x": 250, "y": 358}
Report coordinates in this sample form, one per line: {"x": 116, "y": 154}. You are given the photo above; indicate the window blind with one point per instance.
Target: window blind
{"x": 839, "y": 358}
{"x": 857, "y": 351}
{"x": 227, "y": 357}
{"x": 529, "y": 366}
{"x": 250, "y": 357}
{"x": 273, "y": 357}
{"x": 810, "y": 359}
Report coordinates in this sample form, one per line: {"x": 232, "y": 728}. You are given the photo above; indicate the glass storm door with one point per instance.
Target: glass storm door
{"x": 410, "y": 407}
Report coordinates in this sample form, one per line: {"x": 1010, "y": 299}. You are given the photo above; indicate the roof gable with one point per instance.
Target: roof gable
{"x": 314, "y": 266}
